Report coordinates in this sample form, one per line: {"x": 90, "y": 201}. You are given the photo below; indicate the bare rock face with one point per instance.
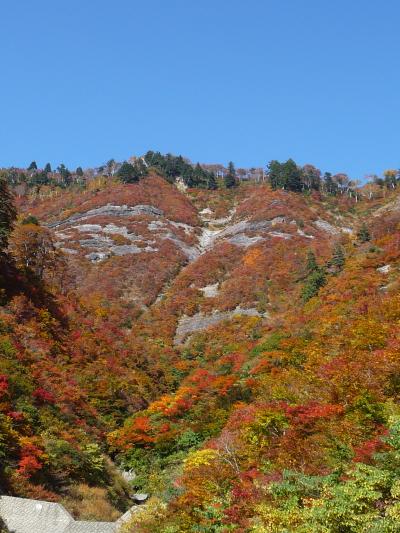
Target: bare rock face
{"x": 99, "y": 236}
{"x": 140, "y": 497}
{"x": 210, "y": 291}
{"x": 105, "y": 227}
{"x": 241, "y": 239}
{"x": 385, "y": 269}
{"x": 198, "y": 322}
{"x": 110, "y": 210}
{"x": 326, "y": 226}
{"x": 96, "y": 241}
{"x": 280, "y": 235}
{"x": 236, "y": 233}
{"x": 131, "y": 248}
{"x": 125, "y": 249}
{"x": 128, "y": 475}
{"x": 117, "y": 248}
{"x": 95, "y": 257}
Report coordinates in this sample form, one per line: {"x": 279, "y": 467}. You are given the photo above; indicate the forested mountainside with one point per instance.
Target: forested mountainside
{"x": 236, "y": 345}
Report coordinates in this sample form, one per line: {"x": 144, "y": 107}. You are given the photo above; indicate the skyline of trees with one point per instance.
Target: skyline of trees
{"x": 285, "y": 175}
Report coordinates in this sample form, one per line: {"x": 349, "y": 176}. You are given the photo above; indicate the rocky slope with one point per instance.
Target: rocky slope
{"x": 133, "y": 243}
{"x": 184, "y": 324}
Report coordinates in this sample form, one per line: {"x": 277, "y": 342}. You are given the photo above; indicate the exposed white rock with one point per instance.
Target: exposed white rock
{"x": 191, "y": 252}
{"x": 207, "y": 238}
{"x": 210, "y": 291}
{"x": 279, "y": 220}
{"x": 96, "y": 241}
{"x": 180, "y": 184}
{"x": 159, "y": 225}
{"x": 156, "y": 225}
{"x": 241, "y": 239}
{"x": 325, "y": 226}
{"x": 206, "y": 216}
{"x": 236, "y": 233}
{"x": 110, "y": 210}
{"x": 384, "y": 269}
{"x": 87, "y": 228}
{"x": 125, "y": 249}
{"x": 96, "y": 257}
{"x": 301, "y": 232}
{"x": 220, "y": 221}
{"x": 61, "y": 235}
{"x": 190, "y": 324}
{"x": 112, "y": 229}
{"x": 128, "y": 475}
{"x": 140, "y": 497}
{"x": 281, "y": 235}
{"x": 246, "y": 225}
{"x": 99, "y": 238}
{"x": 69, "y": 251}
{"x": 233, "y": 229}
{"x": 186, "y": 227}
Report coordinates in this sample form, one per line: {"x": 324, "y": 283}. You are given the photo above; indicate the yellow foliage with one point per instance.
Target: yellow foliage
{"x": 154, "y": 512}
{"x": 200, "y": 458}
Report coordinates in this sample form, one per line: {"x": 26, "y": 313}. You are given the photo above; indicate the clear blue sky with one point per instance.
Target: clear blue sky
{"x": 247, "y": 80}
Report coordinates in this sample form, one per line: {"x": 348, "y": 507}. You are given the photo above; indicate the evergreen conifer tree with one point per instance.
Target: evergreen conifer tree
{"x": 363, "y": 234}
{"x": 285, "y": 175}
{"x": 126, "y": 173}
{"x": 315, "y": 279}
{"x": 211, "y": 181}
{"x": 198, "y": 176}
{"x": 293, "y": 176}
{"x": 129, "y": 173}
{"x": 65, "y": 174}
{"x": 230, "y": 178}
{"x": 338, "y": 258}
{"x": 311, "y": 265}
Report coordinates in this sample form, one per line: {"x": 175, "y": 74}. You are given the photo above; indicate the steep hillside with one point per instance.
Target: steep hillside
{"x": 237, "y": 348}
{"x": 253, "y": 247}
{"x": 277, "y": 392}
{"x": 123, "y": 241}
{"x": 69, "y": 370}
{"x": 278, "y": 418}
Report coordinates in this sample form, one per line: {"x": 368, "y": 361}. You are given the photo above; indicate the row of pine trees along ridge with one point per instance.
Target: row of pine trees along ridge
{"x": 285, "y": 175}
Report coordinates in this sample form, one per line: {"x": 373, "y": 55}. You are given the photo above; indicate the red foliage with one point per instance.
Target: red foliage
{"x": 43, "y": 396}
{"x": 365, "y": 451}
{"x": 3, "y": 384}
{"x": 306, "y": 414}
{"x": 28, "y": 465}
{"x": 30, "y": 462}
{"x": 16, "y": 415}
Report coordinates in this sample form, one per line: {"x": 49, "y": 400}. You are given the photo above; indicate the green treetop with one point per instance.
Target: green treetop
{"x": 230, "y": 178}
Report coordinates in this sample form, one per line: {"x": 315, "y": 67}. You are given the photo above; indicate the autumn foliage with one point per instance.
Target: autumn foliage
{"x": 258, "y": 423}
